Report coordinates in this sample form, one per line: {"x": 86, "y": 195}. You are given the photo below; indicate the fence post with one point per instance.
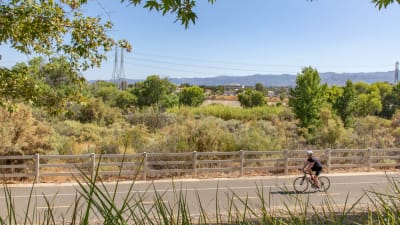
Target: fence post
{"x": 37, "y": 168}
{"x": 286, "y": 158}
{"x": 328, "y": 159}
{"x": 144, "y": 165}
{"x": 241, "y": 152}
{"x": 93, "y": 165}
{"x": 369, "y": 159}
{"x": 194, "y": 164}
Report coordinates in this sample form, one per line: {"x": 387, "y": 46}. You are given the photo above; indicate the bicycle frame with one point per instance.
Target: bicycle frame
{"x": 300, "y": 186}
{"x": 308, "y": 177}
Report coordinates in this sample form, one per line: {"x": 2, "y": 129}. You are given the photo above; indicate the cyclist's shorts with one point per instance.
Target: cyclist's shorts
{"x": 317, "y": 170}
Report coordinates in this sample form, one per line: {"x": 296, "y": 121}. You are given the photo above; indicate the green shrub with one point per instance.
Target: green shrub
{"x": 63, "y": 145}
{"x": 151, "y": 119}
{"x": 20, "y": 130}
{"x": 95, "y": 111}
{"x": 258, "y": 136}
{"x": 78, "y": 131}
{"x": 229, "y": 113}
{"x": 110, "y": 146}
{"x": 202, "y": 134}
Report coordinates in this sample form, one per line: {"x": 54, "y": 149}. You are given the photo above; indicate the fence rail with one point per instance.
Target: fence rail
{"x": 194, "y": 164}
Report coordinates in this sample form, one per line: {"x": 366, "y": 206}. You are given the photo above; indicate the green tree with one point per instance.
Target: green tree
{"x": 57, "y": 72}
{"x": 390, "y": 101}
{"x": 51, "y": 84}
{"x": 191, "y": 96}
{"x": 260, "y": 87}
{"x": 251, "y": 98}
{"x": 333, "y": 93}
{"x": 384, "y": 88}
{"x": 368, "y": 99}
{"x": 384, "y": 3}
{"x": 153, "y": 91}
{"x": 182, "y": 9}
{"x": 308, "y": 97}
{"x": 345, "y": 104}
{"x": 58, "y": 27}
{"x": 107, "y": 91}
{"x": 125, "y": 100}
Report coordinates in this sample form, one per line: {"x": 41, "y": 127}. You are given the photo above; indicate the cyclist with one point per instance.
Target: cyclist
{"x": 313, "y": 165}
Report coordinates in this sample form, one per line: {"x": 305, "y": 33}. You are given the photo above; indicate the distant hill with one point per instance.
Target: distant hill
{"x": 284, "y": 79}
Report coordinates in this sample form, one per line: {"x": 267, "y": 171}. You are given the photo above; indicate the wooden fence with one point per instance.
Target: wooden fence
{"x": 191, "y": 164}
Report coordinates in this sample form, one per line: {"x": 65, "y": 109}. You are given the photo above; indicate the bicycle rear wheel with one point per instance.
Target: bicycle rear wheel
{"x": 300, "y": 184}
{"x": 324, "y": 182}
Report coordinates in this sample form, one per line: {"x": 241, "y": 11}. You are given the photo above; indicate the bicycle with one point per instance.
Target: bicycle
{"x": 301, "y": 184}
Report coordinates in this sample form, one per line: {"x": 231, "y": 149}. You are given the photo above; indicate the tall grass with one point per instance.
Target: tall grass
{"x": 96, "y": 205}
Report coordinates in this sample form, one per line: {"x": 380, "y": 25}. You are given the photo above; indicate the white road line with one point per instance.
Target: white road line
{"x": 152, "y": 203}
{"x": 375, "y": 182}
{"x": 245, "y": 197}
{"x": 40, "y": 195}
{"x": 53, "y": 207}
{"x": 328, "y": 194}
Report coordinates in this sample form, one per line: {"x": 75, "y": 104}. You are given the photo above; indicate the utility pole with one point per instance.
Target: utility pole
{"x": 114, "y": 77}
{"x": 121, "y": 75}
{"x": 396, "y": 73}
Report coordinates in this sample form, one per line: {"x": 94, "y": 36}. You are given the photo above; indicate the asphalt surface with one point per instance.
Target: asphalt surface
{"x": 276, "y": 192}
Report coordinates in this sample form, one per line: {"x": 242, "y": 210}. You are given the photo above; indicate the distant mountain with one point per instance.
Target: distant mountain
{"x": 341, "y": 78}
{"x": 251, "y": 80}
{"x": 284, "y": 79}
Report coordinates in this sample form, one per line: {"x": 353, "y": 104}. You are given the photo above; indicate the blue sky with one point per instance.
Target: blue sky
{"x": 238, "y": 37}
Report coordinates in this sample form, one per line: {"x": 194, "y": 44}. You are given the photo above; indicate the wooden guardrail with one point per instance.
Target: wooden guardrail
{"x": 193, "y": 164}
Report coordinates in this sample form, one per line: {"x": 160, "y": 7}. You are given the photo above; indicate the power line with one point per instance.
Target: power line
{"x": 212, "y": 61}
{"x": 104, "y": 9}
{"x": 214, "y": 70}
{"x": 213, "y": 73}
{"x": 170, "y": 69}
{"x": 203, "y": 66}
{"x": 253, "y": 64}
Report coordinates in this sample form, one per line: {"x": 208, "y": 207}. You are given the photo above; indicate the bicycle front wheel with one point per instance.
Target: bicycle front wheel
{"x": 300, "y": 184}
{"x": 324, "y": 182}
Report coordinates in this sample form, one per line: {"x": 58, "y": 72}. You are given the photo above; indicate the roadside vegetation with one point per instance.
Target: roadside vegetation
{"x": 163, "y": 117}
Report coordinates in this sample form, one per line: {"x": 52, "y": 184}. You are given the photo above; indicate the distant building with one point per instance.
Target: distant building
{"x": 231, "y": 89}
{"x": 271, "y": 93}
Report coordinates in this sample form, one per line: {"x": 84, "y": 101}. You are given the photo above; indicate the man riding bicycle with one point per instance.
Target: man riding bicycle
{"x": 313, "y": 165}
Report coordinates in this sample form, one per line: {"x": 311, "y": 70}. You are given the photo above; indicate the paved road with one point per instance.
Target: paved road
{"x": 276, "y": 190}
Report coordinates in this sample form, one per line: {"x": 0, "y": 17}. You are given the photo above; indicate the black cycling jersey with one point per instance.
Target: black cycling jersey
{"x": 317, "y": 164}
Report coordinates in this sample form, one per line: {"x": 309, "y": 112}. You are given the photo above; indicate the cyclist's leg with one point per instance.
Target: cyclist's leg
{"x": 317, "y": 173}
{"x": 310, "y": 171}
{"x": 312, "y": 175}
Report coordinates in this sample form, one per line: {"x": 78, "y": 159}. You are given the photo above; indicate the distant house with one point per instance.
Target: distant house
{"x": 271, "y": 94}
{"x": 231, "y": 89}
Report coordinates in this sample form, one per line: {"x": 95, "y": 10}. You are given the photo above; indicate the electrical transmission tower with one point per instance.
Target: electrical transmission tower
{"x": 396, "y": 73}
{"x": 115, "y": 70}
{"x": 118, "y": 75}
